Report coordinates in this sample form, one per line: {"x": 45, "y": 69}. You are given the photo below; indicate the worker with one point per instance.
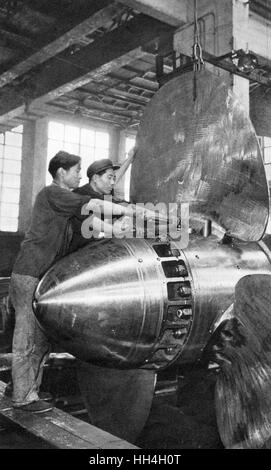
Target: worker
{"x": 102, "y": 175}
{"x": 46, "y": 241}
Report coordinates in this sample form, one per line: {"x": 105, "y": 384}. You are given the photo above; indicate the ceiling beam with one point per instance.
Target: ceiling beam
{"x": 115, "y": 93}
{"x": 88, "y": 26}
{"x": 81, "y": 113}
{"x": 173, "y": 12}
{"x": 62, "y": 75}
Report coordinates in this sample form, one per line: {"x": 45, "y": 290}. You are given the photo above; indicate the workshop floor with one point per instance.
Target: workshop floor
{"x": 178, "y": 420}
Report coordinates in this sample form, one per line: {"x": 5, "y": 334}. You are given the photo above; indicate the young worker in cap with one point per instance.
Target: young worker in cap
{"x": 102, "y": 175}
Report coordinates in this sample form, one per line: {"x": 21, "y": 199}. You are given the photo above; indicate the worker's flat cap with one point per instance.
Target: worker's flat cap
{"x": 101, "y": 165}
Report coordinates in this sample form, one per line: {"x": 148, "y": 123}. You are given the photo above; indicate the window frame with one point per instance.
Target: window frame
{"x": 14, "y": 188}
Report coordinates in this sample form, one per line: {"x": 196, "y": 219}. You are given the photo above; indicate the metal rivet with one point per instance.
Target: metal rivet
{"x": 169, "y": 350}
{"x": 178, "y": 334}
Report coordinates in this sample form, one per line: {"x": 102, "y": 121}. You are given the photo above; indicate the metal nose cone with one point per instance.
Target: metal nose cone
{"x": 103, "y": 303}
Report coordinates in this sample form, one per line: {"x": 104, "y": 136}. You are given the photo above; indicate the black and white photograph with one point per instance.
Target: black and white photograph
{"x": 135, "y": 231}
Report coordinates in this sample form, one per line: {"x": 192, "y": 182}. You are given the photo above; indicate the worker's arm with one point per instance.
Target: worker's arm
{"x": 95, "y": 227}
{"x": 107, "y": 208}
{"x": 125, "y": 165}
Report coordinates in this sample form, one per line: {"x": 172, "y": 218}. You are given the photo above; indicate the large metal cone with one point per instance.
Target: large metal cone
{"x": 102, "y": 303}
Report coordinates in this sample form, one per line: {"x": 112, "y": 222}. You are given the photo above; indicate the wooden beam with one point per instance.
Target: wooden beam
{"x": 62, "y": 75}
{"x": 59, "y": 429}
{"x": 80, "y": 112}
{"x": 173, "y": 12}
{"x": 99, "y": 19}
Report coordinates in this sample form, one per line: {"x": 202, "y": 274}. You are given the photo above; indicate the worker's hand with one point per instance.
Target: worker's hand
{"x": 123, "y": 227}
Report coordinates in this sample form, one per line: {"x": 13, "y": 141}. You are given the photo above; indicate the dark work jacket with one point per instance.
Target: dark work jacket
{"x": 78, "y": 241}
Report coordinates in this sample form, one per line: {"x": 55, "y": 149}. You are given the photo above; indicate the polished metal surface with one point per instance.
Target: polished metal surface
{"x": 215, "y": 270}
{"x": 104, "y": 302}
{"x": 142, "y": 303}
{"x": 242, "y": 348}
{"x": 204, "y": 152}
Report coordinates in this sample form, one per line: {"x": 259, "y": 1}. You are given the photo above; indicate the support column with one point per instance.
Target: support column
{"x": 27, "y": 175}
{"x": 40, "y": 156}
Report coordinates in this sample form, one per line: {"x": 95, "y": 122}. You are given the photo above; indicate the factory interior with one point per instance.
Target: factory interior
{"x": 157, "y": 342}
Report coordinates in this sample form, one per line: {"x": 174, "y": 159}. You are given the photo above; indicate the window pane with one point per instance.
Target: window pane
{"x": 267, "y": 155}
{"x": 88, "y": 143}
{"x": 11, "y": 181}
{"x": 19, "y": 129}
{"x": 56, "y": 130}
{"x": 101, "y": 153}
{"x": 8, "y": 224}
{"x": 87, "y": 153}
{"x": 71, "y": 148}
{"x": 267, "y": 141}
{"x": 12, "y": 166}
{"x": 72, "y": 134}
{"x": 127, "y": 184}
{"x": 9, "y": 210}
{"x": 87, "y": 137}
{"x": 53, "y": 147}
{"x": 13, "y": 139}
{"x": 102, "y": 140}
{"x": 10, "y": 195}
{"x": 129, "y": 143}
{"x": 10, "y": 170}
{"x": 13, "y": 153}
{"x": 268, "y": 171}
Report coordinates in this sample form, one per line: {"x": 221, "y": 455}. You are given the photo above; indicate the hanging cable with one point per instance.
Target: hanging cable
{"x": 197, "y": 49}
{"x": 198, "y": 61}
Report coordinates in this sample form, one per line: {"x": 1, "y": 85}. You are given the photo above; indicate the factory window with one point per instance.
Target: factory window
{"x": 90, "y": 144}
{"x": 266, "y": 149}
{"x": 10, "y": 176}
{"x": 266, "y": 145}
{"x": 129, "y": 143}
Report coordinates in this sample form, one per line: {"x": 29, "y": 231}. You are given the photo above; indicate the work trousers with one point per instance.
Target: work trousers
{"x": 30, "y": 348}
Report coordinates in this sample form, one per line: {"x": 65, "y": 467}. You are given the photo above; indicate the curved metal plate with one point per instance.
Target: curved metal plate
{"x": 204, "y": 152}
{"x": 243, "y": 389}
{"x": 118, "y": 401}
